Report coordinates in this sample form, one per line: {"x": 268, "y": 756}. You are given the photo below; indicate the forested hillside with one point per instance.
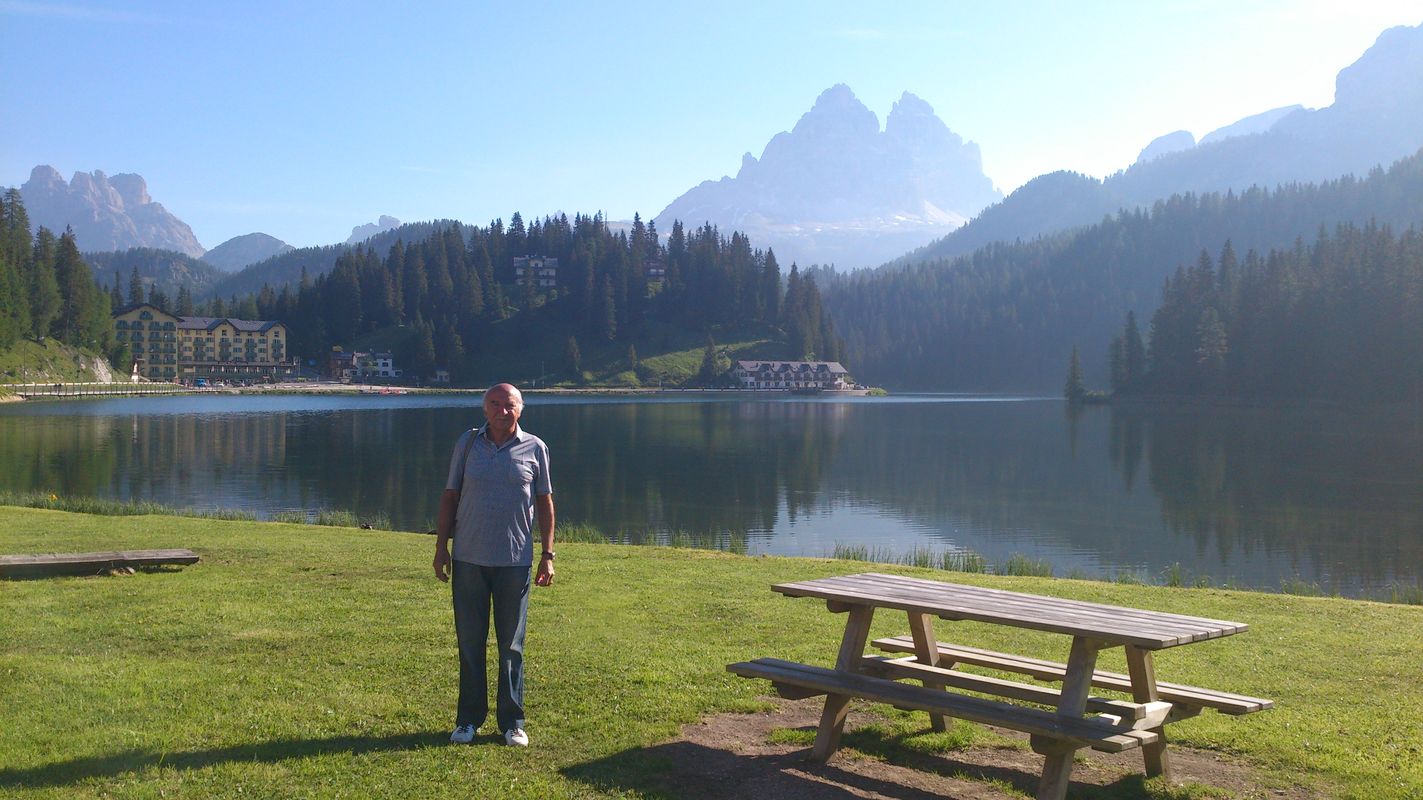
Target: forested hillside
{"x": 1007, "y": 315}
{"x": 1339, "y": 319}
{"x": 166, "y": 270}
{"x": 288, "y": 267}
{"x": 46, "y": 288}
{"x": 457, "y": 291}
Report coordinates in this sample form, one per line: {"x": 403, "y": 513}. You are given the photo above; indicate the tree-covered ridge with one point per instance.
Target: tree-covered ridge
{"x": 1006, "y": 316}
{"x": 46, "y": 288}
{"x": 454, "y": 287}
{"x": 1340, "y": 319}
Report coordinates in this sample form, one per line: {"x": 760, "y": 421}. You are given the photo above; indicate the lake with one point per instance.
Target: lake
{"x": 1248, "y": 497}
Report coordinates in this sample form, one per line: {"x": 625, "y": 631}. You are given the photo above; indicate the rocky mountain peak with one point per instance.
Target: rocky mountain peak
{"x": 1386, "y": 75}
{"x": 837, "y": 112}
{"x": 106, "y": 213}
{"x": 360, "y": 233}
{"x": 837, "y": 189}
{"x": 132, "y": 188}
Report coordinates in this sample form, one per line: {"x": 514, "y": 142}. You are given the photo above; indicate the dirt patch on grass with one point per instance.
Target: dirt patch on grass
{"x": 737, "y": 755}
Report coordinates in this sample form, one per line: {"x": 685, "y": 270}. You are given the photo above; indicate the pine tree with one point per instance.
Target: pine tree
{"x": 135, "y": 287}
{"x": 1117, "y": 363}
{"x": 1134, "y": 352}
{"x": 708, "y": 371}
{"x": 185, "y": 301}
{"x": 43, "y": 285}
{"x": 1211, "y": 348}
{"x": 1074, "y": 390}
{"x": 73, "y": 325}
{"x": 14, "y": 321}
{"x": 157, "y": 297}
{"x": 608, "y": 316}
{"x": 573, "y": 359}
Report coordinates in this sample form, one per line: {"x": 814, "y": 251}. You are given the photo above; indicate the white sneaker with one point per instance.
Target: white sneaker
{"x": 464, "y": 734}
{"x": 515, "y": 737}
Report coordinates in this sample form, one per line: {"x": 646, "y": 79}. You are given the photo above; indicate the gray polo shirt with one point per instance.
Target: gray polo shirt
{"x": 494, "y": 526}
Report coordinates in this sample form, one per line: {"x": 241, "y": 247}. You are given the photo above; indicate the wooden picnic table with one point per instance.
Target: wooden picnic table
{"x": 1077, "y": 719}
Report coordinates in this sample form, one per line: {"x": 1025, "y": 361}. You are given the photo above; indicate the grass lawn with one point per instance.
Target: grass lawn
{"x": 49, "y": 361}
{"x": 298, "y": 661}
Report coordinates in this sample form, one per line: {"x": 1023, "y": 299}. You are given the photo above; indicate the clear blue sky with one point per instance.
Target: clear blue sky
{"x": 302, "y": 119}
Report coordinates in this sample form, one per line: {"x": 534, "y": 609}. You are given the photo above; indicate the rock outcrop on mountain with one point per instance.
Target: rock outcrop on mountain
{"x": 1375, "y": 120}
{"x": 106, "y": 213}
{"x": 239, "y": 251}
{"x": 360, "y": 233}
{"x": 837, "y": 189}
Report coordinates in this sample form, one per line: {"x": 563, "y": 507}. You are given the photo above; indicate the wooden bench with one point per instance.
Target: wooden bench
{"x": 90, "y": 563}
{"x": 1106, "y": 733}
{"x": 1188, "y": 700}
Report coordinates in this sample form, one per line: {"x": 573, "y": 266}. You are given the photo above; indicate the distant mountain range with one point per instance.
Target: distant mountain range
{"x": 1376, "y": 119}
{"x": 837, "y": 189}
{"x": 106, "y": 213}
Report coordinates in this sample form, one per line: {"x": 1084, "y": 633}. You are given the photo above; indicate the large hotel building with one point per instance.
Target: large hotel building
{"x": 172, "y": 348}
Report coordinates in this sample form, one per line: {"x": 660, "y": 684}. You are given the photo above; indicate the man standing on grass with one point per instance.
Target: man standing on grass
{"x": 498, "y": 483}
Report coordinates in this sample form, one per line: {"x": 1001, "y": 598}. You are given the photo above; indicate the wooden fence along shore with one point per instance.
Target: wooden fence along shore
{"x": 94, "y": 389}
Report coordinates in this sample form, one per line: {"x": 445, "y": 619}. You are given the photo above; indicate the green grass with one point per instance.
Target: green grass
{"x": 49, "y": 361}
{"x": 286, "y": 664}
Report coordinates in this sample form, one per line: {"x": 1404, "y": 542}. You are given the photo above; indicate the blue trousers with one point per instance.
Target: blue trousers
{"x": 475, "y": 589}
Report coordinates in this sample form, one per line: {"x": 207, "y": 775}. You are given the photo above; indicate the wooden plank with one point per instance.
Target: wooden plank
{"x": 1143, "y": 680}
{"x": 1057, "y": 766}
{"x": 1131, "y": 713}
{"x": 927, "y": 651}
{"x": 1093, "y": 732}
{"x": 1048, "y": 608}
{"x": 832, "y": 716}
{"x": 1175, "y": 693}
{"x": 90, "y": 563}
{"x": 1111, "y": 624}
{"x": 1071, "y": 611}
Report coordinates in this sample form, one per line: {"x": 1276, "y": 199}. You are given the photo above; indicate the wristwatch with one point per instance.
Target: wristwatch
{"x": 548, "y": 554}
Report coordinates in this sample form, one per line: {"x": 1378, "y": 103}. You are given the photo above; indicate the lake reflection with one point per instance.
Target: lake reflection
{"x": 1252, "y": 497}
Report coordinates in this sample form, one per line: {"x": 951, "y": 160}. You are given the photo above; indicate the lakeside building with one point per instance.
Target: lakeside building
{"x": 792, "y": 375}
{"x": 167, "y": 347}
{"x": 356, "y": 365}
{"x": 542, "y": 271}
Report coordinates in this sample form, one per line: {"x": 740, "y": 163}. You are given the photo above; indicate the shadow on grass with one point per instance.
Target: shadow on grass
{"x": 688, "y": 769}
{"x": 62, "y": 773}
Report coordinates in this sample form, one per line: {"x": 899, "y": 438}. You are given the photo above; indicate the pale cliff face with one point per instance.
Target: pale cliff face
{"x": 835, "y": 188}
{"x": 106, "y": 213}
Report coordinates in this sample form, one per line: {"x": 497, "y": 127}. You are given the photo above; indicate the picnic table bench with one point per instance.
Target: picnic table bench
{"x": 90, "y": 563}
{"x": 1058, "y": 720}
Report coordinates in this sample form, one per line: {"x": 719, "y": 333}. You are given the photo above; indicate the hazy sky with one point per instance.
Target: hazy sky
{"x": 302, "y": 119}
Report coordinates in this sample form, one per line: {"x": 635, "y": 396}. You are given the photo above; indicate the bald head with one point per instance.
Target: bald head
{"x": 504, "y": 390}
{"x": 503, "y": 404}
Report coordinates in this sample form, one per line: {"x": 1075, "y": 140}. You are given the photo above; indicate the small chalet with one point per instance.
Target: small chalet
{"x": 543, "y": 272}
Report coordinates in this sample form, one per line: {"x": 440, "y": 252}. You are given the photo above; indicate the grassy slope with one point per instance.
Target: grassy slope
{"x": 295, "y": 661}
{"x": 48, "y": 362}
{"x": 667, "y": 353}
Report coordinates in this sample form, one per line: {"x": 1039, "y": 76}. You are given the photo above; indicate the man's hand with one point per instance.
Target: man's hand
{"x": 442, "y": 562}
{"x": 545, "y": 573}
